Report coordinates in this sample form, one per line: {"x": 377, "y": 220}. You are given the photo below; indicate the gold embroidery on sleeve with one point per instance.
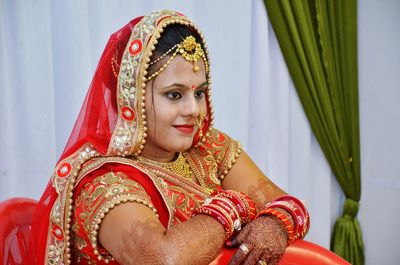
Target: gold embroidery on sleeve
{"x": 221, "y": 150}
{"x": 101, "y": 195}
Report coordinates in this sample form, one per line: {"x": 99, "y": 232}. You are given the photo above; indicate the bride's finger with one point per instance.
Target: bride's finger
{"x": 241, "y": 254}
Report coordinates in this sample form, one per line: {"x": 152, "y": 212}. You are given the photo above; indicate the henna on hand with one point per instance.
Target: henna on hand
{"x": 266, "y": 238}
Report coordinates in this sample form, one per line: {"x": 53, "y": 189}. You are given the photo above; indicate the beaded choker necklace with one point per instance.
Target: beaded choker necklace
{"x": 179, "y": 166}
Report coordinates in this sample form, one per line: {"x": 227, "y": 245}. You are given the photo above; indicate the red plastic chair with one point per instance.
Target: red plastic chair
{"x": 304, "y": 252}
{"x": 15, "y": 225}
{"x": 301, "y": 252}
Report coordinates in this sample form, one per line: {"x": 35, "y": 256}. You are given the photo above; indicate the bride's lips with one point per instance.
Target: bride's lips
{"x": 185, "y": 128}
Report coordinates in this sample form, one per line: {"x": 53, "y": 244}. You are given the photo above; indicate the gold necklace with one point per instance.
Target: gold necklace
{"x": 179, "y": 166}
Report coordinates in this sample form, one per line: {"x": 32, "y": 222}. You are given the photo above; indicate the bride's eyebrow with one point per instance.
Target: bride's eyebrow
{"x": 203, "y": 84}
{"x": 175, "y": 85}
{"x": 184, "y": 86}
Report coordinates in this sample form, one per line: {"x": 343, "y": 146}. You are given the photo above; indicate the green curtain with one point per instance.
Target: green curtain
{"x": 318, "y": 39}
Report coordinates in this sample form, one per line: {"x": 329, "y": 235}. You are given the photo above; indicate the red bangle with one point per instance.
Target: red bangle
{"x": 282, "y": 217}
{"x": 300, "y": 204}
{"x": 232, "y": 209}
{"x": 297, "y": 210}
{"x": 229, "y": 207}
{"x": 224, "y": 213}
{"x": 251, "y": 206}
{"x": 296, "y": 213}
{"x": 240, "y": 206}
{"x": 245, "y": 206}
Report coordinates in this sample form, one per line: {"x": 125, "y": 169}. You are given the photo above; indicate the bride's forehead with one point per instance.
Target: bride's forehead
{"x": 183, "y": 71}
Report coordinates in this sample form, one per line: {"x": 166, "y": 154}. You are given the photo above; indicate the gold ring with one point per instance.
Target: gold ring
{"x": 243, "y": 247}
{"x": 262, "y": 262}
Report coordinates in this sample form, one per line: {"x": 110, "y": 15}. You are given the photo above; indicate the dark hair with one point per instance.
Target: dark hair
{"x": 172, "y": 35}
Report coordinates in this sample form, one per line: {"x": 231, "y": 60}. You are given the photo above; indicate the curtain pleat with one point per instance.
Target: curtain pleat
{"x": 318, "y": 39}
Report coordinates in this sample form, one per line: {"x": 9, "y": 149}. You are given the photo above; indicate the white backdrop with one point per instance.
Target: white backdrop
{"x": 49, "y": 50}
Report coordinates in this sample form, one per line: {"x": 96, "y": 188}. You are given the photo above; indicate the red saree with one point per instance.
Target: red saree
{"x": 98, "y": 169}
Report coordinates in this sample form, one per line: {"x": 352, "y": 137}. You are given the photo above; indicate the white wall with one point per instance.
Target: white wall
{"x": 379, "y": 79}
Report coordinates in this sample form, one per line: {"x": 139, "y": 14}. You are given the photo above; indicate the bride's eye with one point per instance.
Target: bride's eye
{"x": 199, "y": 93}
{"x": 173, "y": 95}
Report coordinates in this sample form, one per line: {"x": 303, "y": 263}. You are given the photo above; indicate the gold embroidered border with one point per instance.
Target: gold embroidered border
{"x": 102, "y": 212}
{"x": 63, "y": 179}
{"x": 230, "y": 159}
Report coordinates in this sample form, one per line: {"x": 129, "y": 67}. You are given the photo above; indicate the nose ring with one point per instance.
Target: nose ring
{"x": 199, "y": 122}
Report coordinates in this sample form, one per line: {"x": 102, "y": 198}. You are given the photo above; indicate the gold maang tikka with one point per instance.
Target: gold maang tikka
{"x": 189, "y": 49}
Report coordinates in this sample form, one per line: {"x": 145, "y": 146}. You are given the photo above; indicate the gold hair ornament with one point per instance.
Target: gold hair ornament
{"x": 189, "y": 49}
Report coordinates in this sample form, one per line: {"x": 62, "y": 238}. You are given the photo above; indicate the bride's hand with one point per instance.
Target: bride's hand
{"x": 262, "y": 241}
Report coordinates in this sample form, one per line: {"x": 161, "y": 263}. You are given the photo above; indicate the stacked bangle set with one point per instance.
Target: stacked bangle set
{"x": 231, "y": 208}
{"x": 235, "y": 209}
{"x": 296, "y": 209}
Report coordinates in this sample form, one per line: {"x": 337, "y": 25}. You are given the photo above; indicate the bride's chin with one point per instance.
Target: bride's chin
{"x": 185, "y": 146}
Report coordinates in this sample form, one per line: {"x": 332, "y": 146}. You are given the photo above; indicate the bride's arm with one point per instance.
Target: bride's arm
{"x": 246, "y": 177}
{"x": 133, "y": 234}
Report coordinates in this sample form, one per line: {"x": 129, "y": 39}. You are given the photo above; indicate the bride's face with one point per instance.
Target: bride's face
{"x": 174, "y": 100}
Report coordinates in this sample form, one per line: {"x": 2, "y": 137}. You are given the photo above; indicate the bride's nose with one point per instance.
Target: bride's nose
{"x": 191, "y": 106}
